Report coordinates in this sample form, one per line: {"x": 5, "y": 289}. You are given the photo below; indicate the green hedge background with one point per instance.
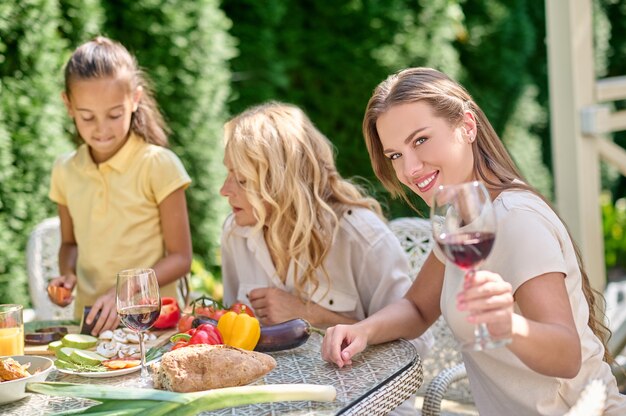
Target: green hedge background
{"x": 209, "y": 60}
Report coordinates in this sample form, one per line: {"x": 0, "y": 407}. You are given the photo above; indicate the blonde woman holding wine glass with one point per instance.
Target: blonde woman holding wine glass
{"x": 423, "y": 130}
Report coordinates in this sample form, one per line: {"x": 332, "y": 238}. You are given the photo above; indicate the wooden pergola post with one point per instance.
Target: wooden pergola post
{"x": 575, "y": 156}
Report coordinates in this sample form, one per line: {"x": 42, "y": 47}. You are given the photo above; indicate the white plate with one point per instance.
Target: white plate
{"x": 104, "y": 374}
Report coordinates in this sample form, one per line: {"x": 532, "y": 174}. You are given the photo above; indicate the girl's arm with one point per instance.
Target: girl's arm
{"x": 544, "y": 333}
{"x": 68, "y": 252}
{"x": 406, "y": 318}
{"x": 175, "y": 224}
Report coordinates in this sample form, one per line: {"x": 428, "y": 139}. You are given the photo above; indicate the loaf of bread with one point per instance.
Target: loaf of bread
{"x": 203, "y": 367}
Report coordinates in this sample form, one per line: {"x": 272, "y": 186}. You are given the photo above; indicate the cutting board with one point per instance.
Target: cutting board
{"x": 163, "y": 337}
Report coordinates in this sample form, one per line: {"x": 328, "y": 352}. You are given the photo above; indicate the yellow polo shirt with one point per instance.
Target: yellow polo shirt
{"x": 115, "y": 210}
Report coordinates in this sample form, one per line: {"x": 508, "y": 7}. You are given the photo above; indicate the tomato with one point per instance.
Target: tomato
{"x": 241, "y": 308}
{"x": 203, "y": 306}
{"x": 170, "y": 314}
{"x": 218, "y": 314}
{"x": 206, "y": 306}
{"x": 210, "y": 312}
{"x": 184, "y": 324}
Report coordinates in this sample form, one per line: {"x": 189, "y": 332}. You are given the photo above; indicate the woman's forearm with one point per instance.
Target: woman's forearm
{"x": 321, "y": 317}
{"x": 400, "y": 319}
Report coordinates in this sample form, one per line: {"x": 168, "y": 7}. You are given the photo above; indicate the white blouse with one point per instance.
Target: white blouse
{"x": 368, "y": 268}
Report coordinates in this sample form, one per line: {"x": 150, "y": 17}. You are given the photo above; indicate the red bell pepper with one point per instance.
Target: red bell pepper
{"x": 206, "y": 334}
{"x": 203, "y": 334}
{"x": 170, "y": 314}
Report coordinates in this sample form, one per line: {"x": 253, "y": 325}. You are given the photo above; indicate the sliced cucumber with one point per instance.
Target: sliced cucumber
{"x": 86, "y": 357}
{"x": 65, "y": 354}
{"x": 79, "y": 341}
{"x": 59, "y": 363}
{"x": 55, "y": 346}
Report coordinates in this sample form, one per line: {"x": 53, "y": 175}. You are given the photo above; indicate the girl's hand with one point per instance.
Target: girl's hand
{"x": 273, "y": 306}
{"x": 341, "y": 343}
{"x": 68, "y": 282}
{"x": 106, "y": 306}
{"x": 489, "y": 299}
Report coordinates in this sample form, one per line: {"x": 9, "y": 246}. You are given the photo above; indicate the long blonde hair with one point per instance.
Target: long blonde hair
{"x": 103, "y": 58}
{"x": 492, "y": 163}
{"x": 293, "y": 185}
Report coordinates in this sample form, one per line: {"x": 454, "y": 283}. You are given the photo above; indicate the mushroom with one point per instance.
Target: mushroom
{"x": 106, "y": 335}
{"x": 132, "y": 338}
{"x": 108, "y": 349}
{"x": 127, "y": 351}
{"x": 120, "y": 336}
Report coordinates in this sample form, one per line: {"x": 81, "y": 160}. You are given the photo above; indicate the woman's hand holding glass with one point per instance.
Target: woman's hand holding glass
{"x": 464, "y": 227}
{"x": 490, "y": 299}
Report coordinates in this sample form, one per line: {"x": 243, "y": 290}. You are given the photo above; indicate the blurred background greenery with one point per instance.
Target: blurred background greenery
{"x": 210, "y": 59}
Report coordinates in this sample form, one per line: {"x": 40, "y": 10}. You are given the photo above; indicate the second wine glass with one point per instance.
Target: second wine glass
{"x": 464, "y": 227}
{"x": 138, "y": 306}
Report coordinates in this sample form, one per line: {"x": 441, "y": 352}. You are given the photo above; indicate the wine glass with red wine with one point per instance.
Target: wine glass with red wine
{"x": 464, "y": 227}
{"x": 138, "y": 306}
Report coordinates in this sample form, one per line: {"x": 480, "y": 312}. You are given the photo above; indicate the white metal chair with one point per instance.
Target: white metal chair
{"x": 615, "y": 298}
{"x": 444, "y": 371}
{"x": 42, "y": 264}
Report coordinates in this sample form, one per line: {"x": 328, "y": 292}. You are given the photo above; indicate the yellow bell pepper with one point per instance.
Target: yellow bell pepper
{"x": 239, "y": 330}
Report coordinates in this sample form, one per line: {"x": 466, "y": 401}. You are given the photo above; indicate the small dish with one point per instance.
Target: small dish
{"x": 14, "y": 390}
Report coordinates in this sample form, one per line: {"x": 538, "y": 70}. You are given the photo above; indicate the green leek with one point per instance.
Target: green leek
{"x": 134, "y": 401}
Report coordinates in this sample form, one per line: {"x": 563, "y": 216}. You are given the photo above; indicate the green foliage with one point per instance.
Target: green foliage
{"x": 614, "y": 230}
{"x": 80, "y": 21}
{"x": 524, "y": 146}
{"x": 318, "y": 57}
{"x": 206, "y": 281}
{"x": 184, "y": 47}
{"x": 31, "y": 130}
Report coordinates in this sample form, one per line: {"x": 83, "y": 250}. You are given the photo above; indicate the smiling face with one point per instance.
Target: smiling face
{"x": 425, "y": 150}
{"x": 234, "y": 189}
{"x": 102, "y": 110}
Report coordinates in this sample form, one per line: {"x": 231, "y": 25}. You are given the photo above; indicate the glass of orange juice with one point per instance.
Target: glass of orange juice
{"x": 11, "y": 330}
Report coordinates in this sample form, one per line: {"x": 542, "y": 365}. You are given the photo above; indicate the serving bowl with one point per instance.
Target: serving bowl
{"x": 13, "y": 390}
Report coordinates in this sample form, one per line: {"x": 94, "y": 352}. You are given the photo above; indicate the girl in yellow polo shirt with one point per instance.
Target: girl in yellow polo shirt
{"x": 121, "y": 194}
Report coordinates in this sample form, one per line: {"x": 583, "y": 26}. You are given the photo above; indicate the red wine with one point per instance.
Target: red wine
{"x": 467, "y": 250}
{"x": 139, "y": 318}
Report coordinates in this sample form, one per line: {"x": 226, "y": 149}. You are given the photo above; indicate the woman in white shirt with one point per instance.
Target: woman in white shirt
{"x": 301, "y": 240}
{"x": 423, "y": 130}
